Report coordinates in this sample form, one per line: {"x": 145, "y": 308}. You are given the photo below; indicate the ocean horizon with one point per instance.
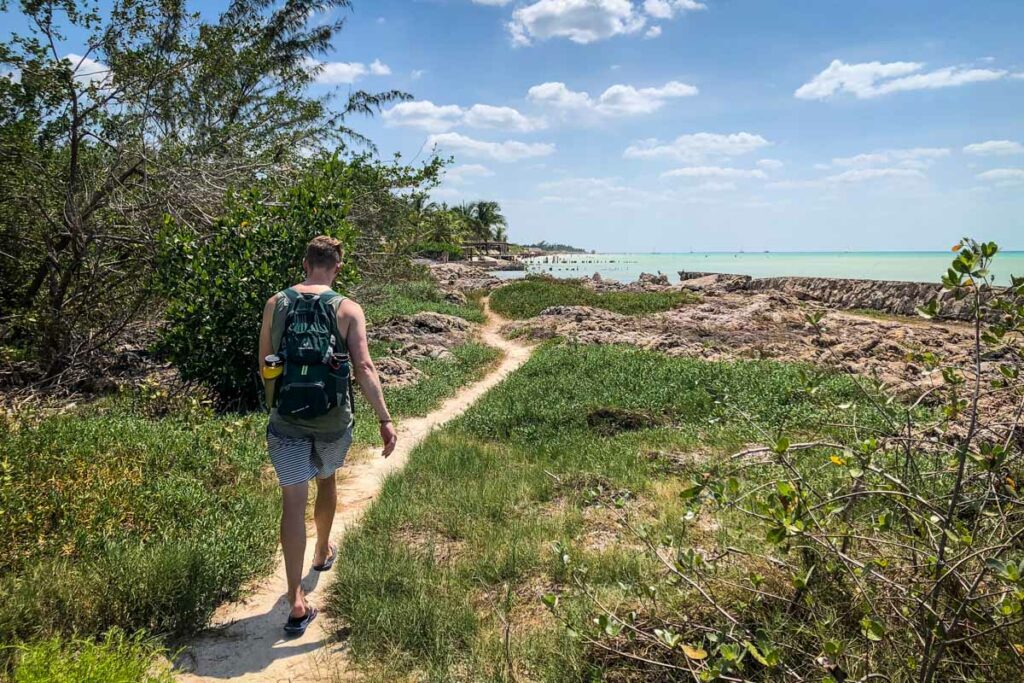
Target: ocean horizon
{"x": 907, "y": 266}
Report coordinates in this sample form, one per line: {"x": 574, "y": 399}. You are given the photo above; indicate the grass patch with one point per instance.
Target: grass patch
{"x": 116, "y": 658}
{"x": 886, "y": 317}
{"x": 114, "y": 518}
{"x": 386, "y": 301}
{"x": 441, "y": 379}
{"x": 528, "y": 297}
{"x": 470, "y": 535}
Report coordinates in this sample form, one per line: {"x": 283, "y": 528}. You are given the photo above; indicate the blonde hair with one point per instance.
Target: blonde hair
{"x": 323, "y": 252}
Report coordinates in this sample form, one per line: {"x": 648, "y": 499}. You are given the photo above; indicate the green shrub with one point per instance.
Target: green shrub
{"x": 436, "y": 249}
{"x": 114, "y": 520}
{"x": 527, "y": 298}
{"x": 381, "y": 302}
{"x": 115, "y": 659}
{"x": 216, "y": 285}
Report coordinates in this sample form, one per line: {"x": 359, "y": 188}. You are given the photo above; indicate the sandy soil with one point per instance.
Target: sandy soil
{"x": 246, "y": 642}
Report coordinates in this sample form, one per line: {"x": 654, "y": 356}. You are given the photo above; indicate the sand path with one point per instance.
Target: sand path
{"x": 245, "y": 642}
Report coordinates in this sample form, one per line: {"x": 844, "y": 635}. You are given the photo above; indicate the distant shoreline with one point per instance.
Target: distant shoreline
{"x": 895, "y": 266}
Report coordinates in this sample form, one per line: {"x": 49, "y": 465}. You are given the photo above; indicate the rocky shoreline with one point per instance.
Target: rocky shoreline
{"x": 739, "y": 317}
{"x": 886, "y": 296}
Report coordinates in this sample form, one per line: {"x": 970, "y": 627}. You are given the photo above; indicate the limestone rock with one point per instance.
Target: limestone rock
{"x": 396, "y": 372}
{"x": 463, "y": 277}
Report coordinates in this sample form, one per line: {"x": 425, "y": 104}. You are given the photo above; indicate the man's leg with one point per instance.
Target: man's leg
{"x": 323, "y": 514}
{"x": 293, "y": 542}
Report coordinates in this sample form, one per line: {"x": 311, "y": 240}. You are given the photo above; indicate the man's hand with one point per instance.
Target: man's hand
{"x": 389, "y": 436}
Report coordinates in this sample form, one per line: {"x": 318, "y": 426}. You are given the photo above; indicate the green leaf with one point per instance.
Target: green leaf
{"x": 872, "y": 629}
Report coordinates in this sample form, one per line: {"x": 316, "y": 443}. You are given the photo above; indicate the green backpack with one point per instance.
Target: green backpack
{"x": 316, "y": 368}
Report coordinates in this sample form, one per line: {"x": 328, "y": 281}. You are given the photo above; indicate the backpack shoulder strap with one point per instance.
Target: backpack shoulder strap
{"x": 330, "y": 295}
{"x": 330, "y": 298}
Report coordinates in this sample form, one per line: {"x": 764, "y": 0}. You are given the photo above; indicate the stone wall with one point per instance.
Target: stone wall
{"x": 900, "y": 298}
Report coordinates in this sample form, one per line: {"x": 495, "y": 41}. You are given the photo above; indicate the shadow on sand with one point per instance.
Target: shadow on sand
{"x": 216, "y": 653}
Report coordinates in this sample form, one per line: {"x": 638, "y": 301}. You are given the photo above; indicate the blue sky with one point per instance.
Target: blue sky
{"x": 670, "y": 125}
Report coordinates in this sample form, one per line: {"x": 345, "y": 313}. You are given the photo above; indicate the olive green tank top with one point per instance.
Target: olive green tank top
{"x": 329, "y": 426}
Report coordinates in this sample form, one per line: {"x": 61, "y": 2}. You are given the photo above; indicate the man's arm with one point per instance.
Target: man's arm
{"x": 353, "y": 322}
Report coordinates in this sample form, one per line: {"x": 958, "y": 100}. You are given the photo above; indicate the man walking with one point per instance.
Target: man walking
{"x": 320, "y": 337}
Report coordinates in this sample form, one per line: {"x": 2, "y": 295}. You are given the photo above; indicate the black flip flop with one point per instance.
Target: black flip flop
{"x": 329, "y": 562}
{"x": 296, "y": 626}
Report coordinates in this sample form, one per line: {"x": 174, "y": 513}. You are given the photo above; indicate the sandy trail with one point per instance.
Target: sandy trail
{"x": 246, "y": 642}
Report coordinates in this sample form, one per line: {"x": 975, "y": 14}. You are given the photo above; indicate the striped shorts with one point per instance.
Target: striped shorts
{"x": 297, "y": 460}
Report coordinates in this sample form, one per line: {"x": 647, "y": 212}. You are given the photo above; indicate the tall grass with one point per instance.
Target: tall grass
{"x": 114, "y": 518}
{"x": 527, "y": 298}
{"x": 382, "y": 302}
{"x": 116, "y": 658}
{"x": 464, "y": 542}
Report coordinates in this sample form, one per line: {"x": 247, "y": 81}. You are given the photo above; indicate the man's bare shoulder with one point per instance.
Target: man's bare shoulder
{"x": 349, "y": 309}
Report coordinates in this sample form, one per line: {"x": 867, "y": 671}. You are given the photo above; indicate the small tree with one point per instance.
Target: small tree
{"x": 162, "y": 113}
{"x": 216, "y": 285}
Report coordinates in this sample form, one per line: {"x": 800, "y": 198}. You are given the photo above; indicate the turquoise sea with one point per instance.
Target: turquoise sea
{"x": 882, "y": 265}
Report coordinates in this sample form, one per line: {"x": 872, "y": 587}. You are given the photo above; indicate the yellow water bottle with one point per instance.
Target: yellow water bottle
{"x": 273, "y": 366}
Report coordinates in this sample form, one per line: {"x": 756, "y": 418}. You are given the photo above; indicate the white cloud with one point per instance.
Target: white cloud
{"x": 995, "y": 148}
{"x": 617, "y": 100}
{"x": 587, "y": 21}
{"x": 666, "y": 9}
{"x": 715, "y": 186}
{"x": 853, "y": 176}
{"x": 597, "y": 192}
{"x": 916, "y": 157}
{"x": 492, "y": 3}
{"x": 581, "y": 21}
{"x": 626, "y": 100}
{"x": 770, "y": 164}
{"x": 460, "y": 174}
{"x": 440, "y": 118}
{"x": 417, "y": 74}
{"x": 865, "y": 174}
{"x": 510, "y": 150}
{"x": 558, "y": 95}
{"x": 87, "y": 70}
{"x": 503, "y": 118}
{"x": 424, "y": 114}
{"x": 334, "y": 73}
{"x": 1003, "y": 177}
{"x": 873, "y": 79}
{"x": 697, "y": 146}
{"x": 714, "y": 172}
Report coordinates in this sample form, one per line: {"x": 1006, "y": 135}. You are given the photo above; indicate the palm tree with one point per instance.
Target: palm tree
{"x": 484, "y": 219}
{"x": 490, "y": 222}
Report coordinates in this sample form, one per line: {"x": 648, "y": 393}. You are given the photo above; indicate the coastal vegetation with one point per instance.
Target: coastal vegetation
{"x": 145, "y": 511}
{"x": 528, "y": 297}
{"x": 606, "y": 513}
{"x": 555, "y": 247}
{"x": 504, "y": 506}
{"x": 116, "y": 658}
{"x": 632, "y": 516}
